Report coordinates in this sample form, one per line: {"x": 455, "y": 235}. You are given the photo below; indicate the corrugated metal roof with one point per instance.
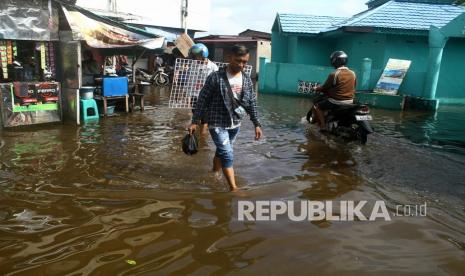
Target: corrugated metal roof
{"x": 399, "y": 15}
{"x": 405, "y": 15}
{"x": 416, "y": 1}
{"x": 308, "y": 24}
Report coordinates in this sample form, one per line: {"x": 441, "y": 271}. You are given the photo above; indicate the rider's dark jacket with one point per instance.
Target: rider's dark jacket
{"x": 340, "y": 84}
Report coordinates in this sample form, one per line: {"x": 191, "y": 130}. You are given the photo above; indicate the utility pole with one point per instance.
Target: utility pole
{"x": 111, "y": 5}
{"x": 184, "y": 9}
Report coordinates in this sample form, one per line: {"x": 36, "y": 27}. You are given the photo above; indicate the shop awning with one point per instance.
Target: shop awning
{"x": 169, "y": 35}
{"x": 101, "y": 32}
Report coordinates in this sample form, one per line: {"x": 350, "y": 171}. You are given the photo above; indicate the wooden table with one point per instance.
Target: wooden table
{"x": 106, "y": 98}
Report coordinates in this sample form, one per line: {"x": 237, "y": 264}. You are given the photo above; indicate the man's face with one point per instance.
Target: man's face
{"x": 238, "y": 63}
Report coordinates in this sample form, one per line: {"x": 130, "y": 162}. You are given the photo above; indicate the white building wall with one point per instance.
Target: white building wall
{"x": 263, "y": 50}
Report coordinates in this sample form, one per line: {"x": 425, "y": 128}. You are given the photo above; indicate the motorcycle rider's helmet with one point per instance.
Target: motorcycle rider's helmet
{"x": 338, "y": 59}
{"x": 198, "y": 50}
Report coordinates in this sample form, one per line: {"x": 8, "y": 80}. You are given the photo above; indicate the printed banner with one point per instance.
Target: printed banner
{"x": 43, "y": 58}
{"x": 392, "y": 76}
{"x": 9, "y": 51}
{"x": 15, "y": 49}
{"x": 30, "y": 103}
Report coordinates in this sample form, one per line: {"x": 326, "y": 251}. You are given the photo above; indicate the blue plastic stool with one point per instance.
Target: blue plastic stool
{"x": 89, "y": 110}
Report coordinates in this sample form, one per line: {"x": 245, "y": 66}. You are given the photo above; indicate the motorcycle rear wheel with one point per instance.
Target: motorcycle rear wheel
{"x": 161, "y": 80}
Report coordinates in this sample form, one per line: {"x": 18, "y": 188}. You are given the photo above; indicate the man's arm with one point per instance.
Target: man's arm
{"x": 253, "y": 112}
{"x": 327, "y": 85}
{"x": 355, "y": 81}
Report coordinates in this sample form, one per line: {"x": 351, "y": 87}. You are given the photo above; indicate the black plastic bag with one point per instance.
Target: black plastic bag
{"x": 190, "y": 144}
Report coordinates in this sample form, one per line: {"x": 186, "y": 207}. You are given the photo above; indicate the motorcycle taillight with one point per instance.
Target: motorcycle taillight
{"x": 363, "y": 110}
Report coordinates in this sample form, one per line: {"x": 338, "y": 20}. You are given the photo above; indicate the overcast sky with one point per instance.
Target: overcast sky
{"x": 233, "y": 16}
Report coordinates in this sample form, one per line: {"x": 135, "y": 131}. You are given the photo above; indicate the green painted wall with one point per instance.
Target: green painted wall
{"x": 380, "y": 47}
{"x": 362, "y": 45}
{"x": 314, "y": 50}
{"x": 414, "y": 48}
{"x": 310, "y": 54}
{"x": 278, "y": 47}
{"x": 301, "y": 50}
{"x": 283, "y": 78}
{"x": 452, "y": 75}
{"x": 292, "y": 49}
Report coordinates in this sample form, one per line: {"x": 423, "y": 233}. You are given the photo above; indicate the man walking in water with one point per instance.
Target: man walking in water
{"x": 224, "y": 100}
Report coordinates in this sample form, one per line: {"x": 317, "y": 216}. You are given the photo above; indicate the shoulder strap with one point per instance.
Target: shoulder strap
{"x": 228, "y": 85}
{"x": 243, "y": 84}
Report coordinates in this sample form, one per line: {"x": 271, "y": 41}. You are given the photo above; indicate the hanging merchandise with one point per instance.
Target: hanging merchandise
{"x": 43, "y": 63}
{"x": 51, "y": 58}
{"x": 9, "y": 51}
{"x": 4, "y": 59}
{"x": 15, "y": 49}
{"x": 47, "y": 61}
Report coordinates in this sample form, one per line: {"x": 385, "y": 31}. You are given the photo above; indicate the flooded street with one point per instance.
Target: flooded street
{"x": 87, "y": 199}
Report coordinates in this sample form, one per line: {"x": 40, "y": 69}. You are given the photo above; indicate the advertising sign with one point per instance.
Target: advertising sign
{"x": 392, "y": 76}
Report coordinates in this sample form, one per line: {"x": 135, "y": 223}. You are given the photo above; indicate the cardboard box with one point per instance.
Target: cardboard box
{"x": 184, "y": 43}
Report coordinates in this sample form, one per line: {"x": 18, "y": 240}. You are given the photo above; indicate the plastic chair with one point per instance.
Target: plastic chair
{"x": 89, "y": 110}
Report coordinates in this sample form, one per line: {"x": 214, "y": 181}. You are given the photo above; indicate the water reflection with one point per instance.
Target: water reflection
{"x": 443, "y": 129}
{"x": 330, "y": 170}
{"x": 89, "y": 133}
{"x": 84, "y": 200}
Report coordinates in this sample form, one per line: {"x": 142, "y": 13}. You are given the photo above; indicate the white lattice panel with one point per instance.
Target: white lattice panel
{"x": 189, "y": 78}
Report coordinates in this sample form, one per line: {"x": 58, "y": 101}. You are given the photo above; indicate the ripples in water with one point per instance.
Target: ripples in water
{"x": 85, "y": 200}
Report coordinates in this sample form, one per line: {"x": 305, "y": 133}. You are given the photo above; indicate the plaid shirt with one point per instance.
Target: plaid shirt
{"x": 215, "y": 107}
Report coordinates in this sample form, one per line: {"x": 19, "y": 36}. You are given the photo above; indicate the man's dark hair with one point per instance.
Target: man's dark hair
{"x": 239, "y": 50}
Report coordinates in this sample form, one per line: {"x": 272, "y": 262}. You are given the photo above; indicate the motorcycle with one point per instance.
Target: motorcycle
{"x": 349, "y": 121}
{"x": 160, "y": 78}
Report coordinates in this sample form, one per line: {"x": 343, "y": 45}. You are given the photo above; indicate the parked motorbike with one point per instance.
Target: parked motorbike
{"x": 160, "y": 78}
{"x": 349, "y": 121}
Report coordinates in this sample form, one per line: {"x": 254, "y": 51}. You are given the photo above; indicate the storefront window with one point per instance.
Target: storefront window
{"x": 27, "y": 61}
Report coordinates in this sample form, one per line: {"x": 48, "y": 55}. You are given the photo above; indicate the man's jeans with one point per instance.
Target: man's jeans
{"x": 224, "y": 139}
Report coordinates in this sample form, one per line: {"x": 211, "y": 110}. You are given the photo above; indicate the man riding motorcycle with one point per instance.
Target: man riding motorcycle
{"x": 339, "y": 88}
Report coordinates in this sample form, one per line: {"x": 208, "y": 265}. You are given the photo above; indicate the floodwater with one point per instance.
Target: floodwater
{"x": 120, "y": 198}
